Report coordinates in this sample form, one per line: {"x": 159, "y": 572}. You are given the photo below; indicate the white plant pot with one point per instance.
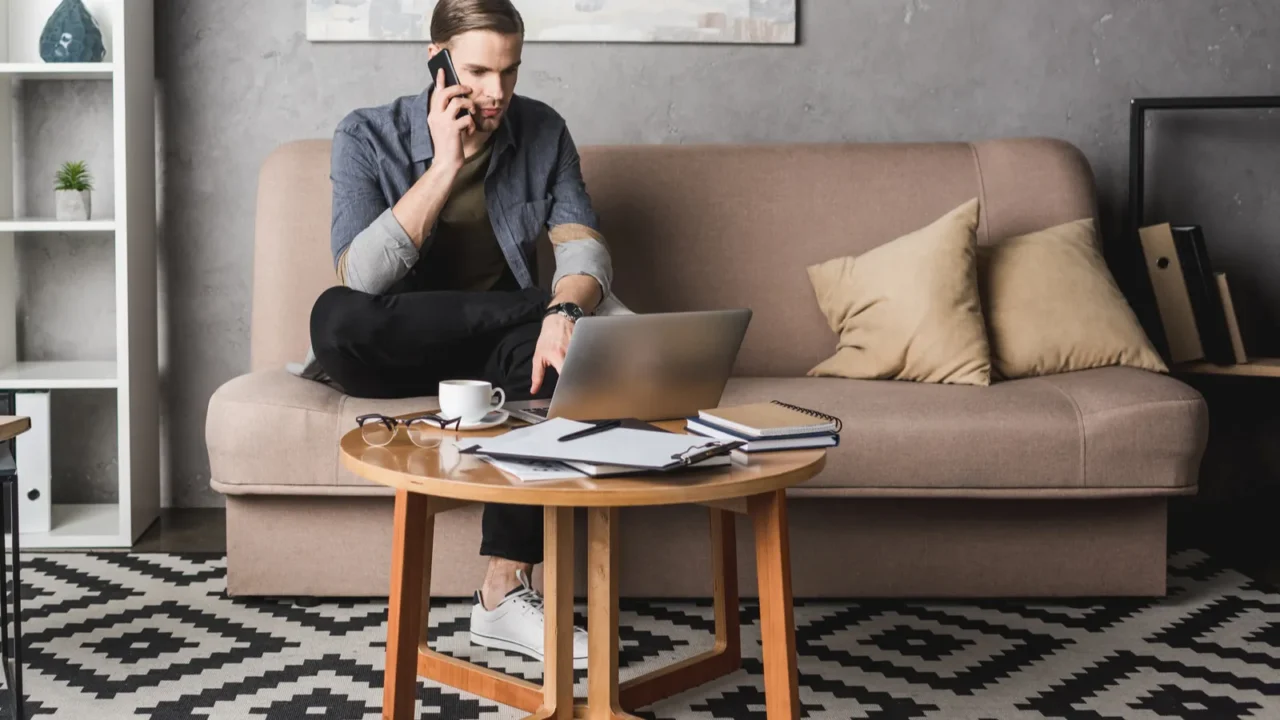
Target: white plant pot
{"x": 73, "y": 204}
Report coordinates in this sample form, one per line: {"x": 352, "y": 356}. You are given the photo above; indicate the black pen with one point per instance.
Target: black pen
{"x": 601, "y": 427}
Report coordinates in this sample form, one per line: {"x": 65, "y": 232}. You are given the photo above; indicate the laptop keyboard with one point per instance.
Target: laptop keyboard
{"x": 539, "y": 411}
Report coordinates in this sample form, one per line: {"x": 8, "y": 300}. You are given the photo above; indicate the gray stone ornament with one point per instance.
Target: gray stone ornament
{"x": 72, "y": 35}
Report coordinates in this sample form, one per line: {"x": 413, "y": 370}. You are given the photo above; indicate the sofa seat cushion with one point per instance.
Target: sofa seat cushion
{"x": 1098, "y": 432}
{"x": 1104, "y": 431}
{"x": 271, "y": 432}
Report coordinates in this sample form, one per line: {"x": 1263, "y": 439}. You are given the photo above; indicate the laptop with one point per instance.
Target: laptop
{"x": 662, "y": 366}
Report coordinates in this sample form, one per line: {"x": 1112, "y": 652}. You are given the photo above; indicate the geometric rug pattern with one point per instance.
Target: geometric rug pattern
{"x": 115, "y": 635}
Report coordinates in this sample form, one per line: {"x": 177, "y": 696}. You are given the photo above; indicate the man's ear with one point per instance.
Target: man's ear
{"x": 432, "y": 50}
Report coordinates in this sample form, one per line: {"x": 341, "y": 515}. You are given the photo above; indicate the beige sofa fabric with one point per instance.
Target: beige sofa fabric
{"x": 1111, "y": 428}
{"x": 707, "y": 226}
{"x": 292, "y": 263}
{"x": 870, "y": 548}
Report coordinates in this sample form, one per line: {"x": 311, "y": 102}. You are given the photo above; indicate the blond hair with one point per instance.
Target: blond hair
{"x": 455, "y": 17}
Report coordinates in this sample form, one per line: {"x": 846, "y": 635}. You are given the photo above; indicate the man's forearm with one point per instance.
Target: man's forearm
{"x": 581, "y": 290}
{"x": 382, "y": 253}
{"x": 421, "y": 205}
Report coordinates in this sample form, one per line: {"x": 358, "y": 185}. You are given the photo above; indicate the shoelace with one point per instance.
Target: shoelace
{"x": 533, "y": 603}
{"x": 532, "y": 600}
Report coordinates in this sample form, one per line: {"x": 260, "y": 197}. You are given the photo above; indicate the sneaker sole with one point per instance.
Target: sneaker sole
{"x": 494, "y": 643}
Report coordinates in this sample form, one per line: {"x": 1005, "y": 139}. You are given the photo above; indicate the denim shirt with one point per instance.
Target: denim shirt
{"x": 533, "y": 183}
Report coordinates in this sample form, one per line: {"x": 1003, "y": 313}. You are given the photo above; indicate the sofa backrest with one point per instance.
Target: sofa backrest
{"x": 713, "y": 226}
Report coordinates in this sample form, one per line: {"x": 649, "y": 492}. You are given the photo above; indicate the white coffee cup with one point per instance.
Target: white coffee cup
{"x": 470, "y": 400}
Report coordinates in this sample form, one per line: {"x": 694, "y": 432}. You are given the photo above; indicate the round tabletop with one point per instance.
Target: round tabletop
{"x": 445, "y": 472}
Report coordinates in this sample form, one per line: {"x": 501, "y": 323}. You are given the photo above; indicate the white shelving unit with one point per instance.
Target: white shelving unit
{"x": 129, "y": 67}
{"x": 63, "y": 71}
{"x": 48, "y": 225}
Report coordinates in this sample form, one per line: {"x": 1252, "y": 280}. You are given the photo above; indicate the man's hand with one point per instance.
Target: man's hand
{"x": 553, "y": 344}
{"x": 447, "y": 129}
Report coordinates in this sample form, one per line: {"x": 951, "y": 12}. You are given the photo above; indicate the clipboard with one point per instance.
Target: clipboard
{"x": 622, "y": 447}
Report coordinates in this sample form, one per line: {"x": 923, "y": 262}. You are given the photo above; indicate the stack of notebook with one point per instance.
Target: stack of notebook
{"x": 767, "y": 427}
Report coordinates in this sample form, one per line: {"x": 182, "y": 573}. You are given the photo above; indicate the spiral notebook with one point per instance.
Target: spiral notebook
{"x": 771, "y": 420}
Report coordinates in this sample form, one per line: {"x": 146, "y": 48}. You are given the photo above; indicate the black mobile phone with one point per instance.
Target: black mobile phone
{"x": 444, "y": 61}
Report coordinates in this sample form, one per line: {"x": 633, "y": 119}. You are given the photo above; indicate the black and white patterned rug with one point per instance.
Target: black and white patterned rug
{"x": 114, "y": 635}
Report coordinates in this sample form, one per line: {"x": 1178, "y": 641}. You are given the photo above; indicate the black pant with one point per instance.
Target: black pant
{"x": 403, "y": 345}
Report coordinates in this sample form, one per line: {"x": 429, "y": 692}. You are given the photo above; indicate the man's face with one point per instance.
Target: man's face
{"x": 489, "y": 64}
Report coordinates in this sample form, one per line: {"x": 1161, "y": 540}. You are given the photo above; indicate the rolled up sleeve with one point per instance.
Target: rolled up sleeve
{"x": 371, "y": 251}
{"x": 573, "y": 227}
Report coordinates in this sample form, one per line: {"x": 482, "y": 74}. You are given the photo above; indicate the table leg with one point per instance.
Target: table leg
{"x": 557, "y": 580}
{"x": 777, "y": 619}
{"x": 724, "y": 567}
{"x": 602, "y": 609}
{"x": 407, "y": 611}
{"x": 726, "y": 656}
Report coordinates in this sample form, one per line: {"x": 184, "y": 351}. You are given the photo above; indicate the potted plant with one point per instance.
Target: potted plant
{"x": 72, "y": 191}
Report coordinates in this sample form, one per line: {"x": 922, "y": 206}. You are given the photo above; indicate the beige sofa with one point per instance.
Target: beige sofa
{"x": 1055, "y": 486}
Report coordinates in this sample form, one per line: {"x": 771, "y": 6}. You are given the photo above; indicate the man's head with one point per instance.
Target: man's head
{"x": 485, "y": 38}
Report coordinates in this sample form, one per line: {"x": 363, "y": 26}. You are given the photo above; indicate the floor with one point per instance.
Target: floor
{"x": 186, "y": 530}
{"x": 1241, "y": 534}
{"x": 117, "y": 635}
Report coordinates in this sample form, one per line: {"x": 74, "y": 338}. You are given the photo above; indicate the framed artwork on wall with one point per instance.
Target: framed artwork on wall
{"x": 770, "y": 22}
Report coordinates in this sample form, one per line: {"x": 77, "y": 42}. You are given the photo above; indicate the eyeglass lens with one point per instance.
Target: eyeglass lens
{"x": 376, "y": 432}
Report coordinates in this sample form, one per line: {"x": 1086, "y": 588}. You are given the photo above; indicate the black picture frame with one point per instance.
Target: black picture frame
{"x": 1138, "y": 109}
{"x": 1135, "y": 220}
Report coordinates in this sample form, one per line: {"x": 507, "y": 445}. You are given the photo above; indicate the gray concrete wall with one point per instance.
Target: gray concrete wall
{"x": 239, "y": 78}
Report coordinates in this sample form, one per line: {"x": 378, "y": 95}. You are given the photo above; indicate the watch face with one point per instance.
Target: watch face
{"x": 569, "y": 310}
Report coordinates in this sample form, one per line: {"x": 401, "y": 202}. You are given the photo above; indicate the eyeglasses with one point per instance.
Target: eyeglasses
{"x": 380, "y": 430}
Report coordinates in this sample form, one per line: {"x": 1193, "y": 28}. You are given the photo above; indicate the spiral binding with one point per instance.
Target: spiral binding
{"x": 812, "y": 413}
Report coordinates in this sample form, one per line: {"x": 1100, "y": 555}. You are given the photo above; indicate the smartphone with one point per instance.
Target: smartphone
{"x": 444, "y": 61}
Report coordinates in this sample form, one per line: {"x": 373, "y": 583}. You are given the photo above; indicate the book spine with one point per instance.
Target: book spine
{"x": 1202, "y": 288}
{"x": 764, "y": 445}
{"x": 1176, "y": 316}
{"x": 694, "y": 423}
{"x": 755, "y": 449}
{"x": 1233, "y": 322}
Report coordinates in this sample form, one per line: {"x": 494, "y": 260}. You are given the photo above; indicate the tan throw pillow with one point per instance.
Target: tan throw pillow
{"x": 1052, "y": 306}
{"x": 909, "y": 309}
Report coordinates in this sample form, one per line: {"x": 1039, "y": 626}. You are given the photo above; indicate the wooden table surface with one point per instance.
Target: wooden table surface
{"x": 444, "y": 472}
{"x": 11, "y": 426}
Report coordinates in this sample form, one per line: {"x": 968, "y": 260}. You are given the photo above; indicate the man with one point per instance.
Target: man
{"x": 435, "y": 217}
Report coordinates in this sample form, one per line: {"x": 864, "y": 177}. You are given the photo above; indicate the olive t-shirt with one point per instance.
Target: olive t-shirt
{"x": 464, "y": 253}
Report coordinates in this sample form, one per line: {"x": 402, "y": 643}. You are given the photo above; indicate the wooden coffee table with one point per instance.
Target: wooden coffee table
{"x": 430, "y": 482}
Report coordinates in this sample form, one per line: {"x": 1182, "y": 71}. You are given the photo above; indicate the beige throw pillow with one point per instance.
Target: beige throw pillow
{"x": 1052, "y": 306}
{"x": 909, "y": 309}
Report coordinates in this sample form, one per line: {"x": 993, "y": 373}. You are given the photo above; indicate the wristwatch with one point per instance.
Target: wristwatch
{"x": 567, "y": 309}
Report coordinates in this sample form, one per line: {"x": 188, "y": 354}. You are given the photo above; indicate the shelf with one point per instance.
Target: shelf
{"x": 1256, "y": 367}
{"x": 58, "y": 375}
{"x": 77, "y": 526}
{"x": 118, "y": 139}
{"x": 58, "y": 71}
{"x": 59, "y": 226}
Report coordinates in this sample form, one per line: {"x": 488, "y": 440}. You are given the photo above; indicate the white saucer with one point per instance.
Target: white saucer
{"x": 492, "y": 420}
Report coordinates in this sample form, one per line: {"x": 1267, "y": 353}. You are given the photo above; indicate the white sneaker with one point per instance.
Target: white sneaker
{"x": 517, "y": 625}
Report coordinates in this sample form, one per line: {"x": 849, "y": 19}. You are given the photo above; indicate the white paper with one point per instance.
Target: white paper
{"x": 534, "y": 470}
{"x": 619, "y": 446}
